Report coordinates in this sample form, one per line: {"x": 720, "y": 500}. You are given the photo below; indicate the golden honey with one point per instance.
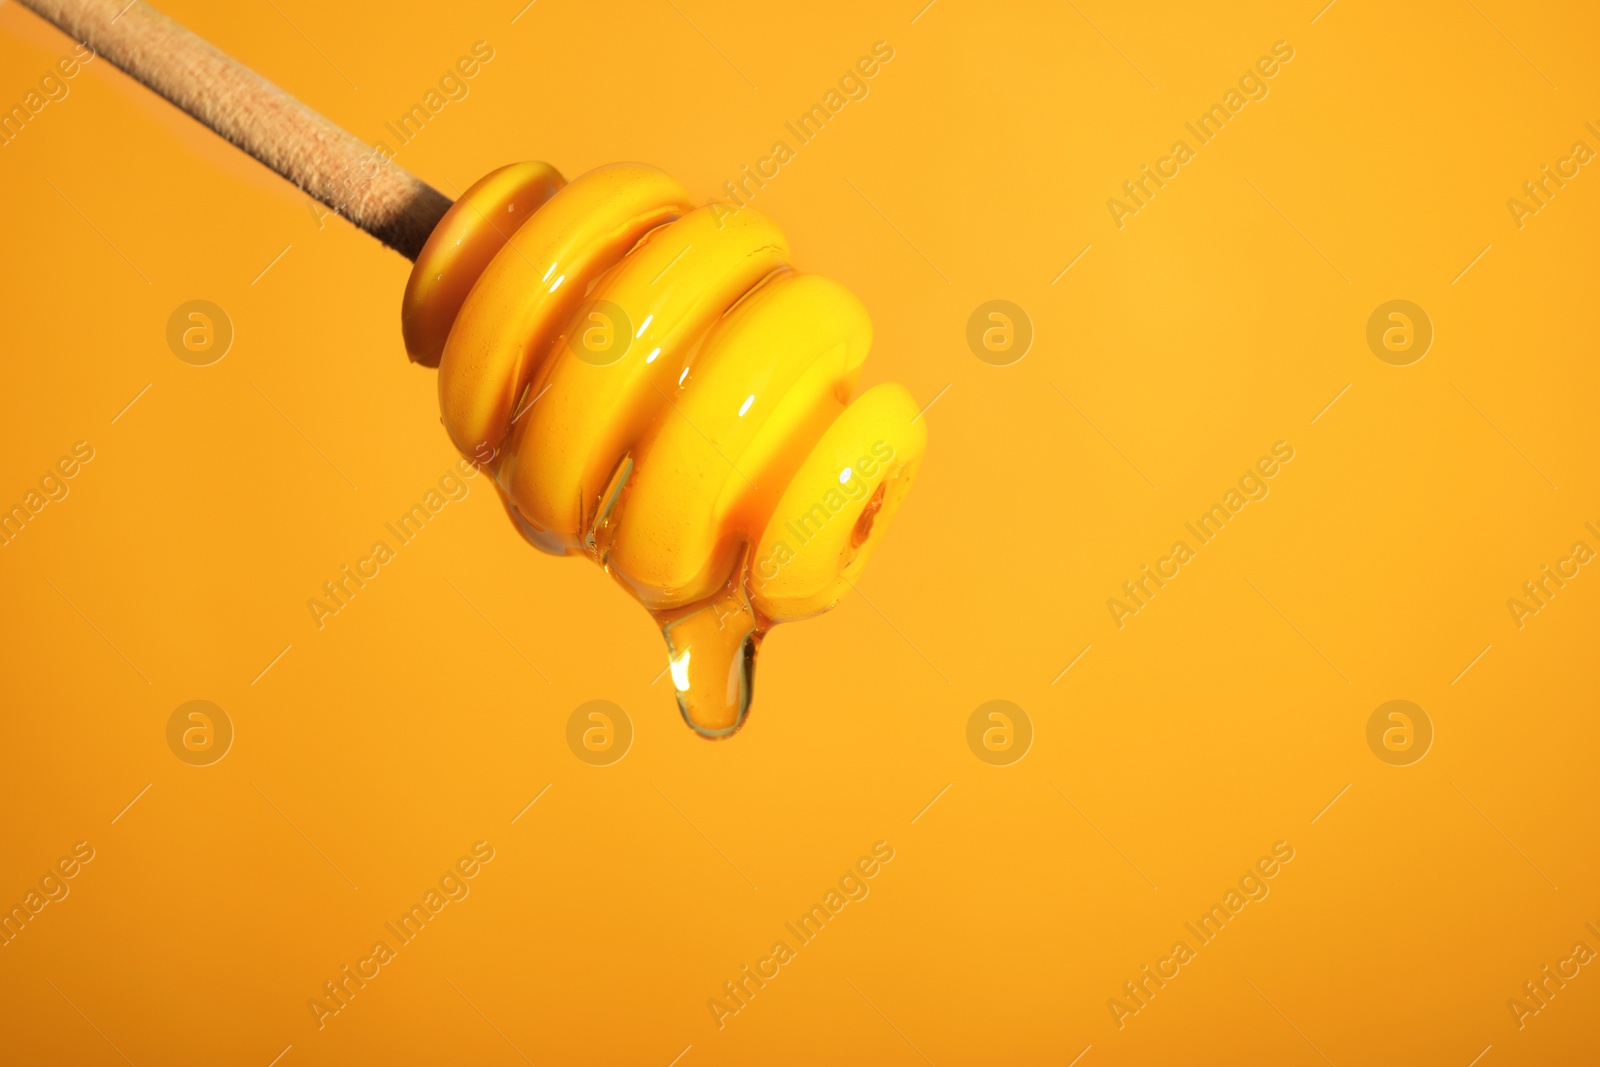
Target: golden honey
{"x": 654, "y": 387}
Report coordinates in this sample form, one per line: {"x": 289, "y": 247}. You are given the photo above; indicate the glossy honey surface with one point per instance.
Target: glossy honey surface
{"x": 653, "y": 386}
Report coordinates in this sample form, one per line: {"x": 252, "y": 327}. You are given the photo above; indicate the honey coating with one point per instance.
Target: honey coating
{"x": 654, "y": 387}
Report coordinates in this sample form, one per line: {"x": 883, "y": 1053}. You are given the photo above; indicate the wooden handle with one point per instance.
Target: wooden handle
{"x": 226, "y": 96}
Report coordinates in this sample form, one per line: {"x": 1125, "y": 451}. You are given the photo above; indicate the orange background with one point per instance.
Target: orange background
{"x": 1221, "y": 719}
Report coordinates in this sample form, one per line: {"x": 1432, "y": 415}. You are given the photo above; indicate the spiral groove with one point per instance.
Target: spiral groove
{"x": 653, "y": 386}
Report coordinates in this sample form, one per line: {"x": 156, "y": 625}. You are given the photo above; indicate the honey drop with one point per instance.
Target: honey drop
{"x": 711, "y": 656}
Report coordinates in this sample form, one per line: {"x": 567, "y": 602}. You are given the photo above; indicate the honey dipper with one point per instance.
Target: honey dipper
{"x": 650, "y": 383}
